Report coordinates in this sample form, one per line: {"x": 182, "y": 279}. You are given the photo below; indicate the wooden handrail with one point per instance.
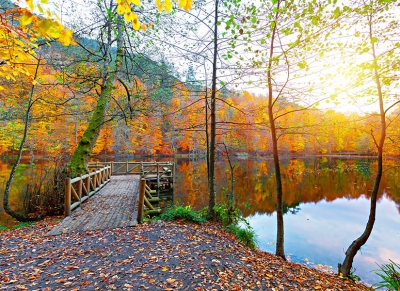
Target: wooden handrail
{"x": 161, "y": 169}
{"x": 86, "y": 186}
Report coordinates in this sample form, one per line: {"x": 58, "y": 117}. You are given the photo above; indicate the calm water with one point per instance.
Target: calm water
{"x": 326, "y": 205}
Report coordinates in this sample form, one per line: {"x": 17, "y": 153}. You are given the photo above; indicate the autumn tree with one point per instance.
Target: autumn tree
{"x": 113, "y": 31}
{"x": 21, "y": 31}
{"x": 373, "y": 64}
{"x": 202, "y": 38}
{"x": 284, "y": 48}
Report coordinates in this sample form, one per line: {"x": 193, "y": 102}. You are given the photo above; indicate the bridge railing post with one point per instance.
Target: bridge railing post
{"x": 158, "y": 176}
{"x": 142, "y": 189}
{"x": 67, "y": 197}
{"x": 80, "y": 183}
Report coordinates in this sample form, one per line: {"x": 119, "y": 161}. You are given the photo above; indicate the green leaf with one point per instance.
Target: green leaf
{"x": 263, "y": 41}
{"x": 336, "y": 12}
{"x": 254, "y": 19}
{"x": 297, "y": 25}
{"x": 222, "y": 83}
{"x": 302, "y": 64}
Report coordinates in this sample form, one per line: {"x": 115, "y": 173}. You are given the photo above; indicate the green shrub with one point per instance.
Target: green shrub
{"x": 246, "y": 235}
{"x": 3, "y": 228}
{"x": 233, "y": 222}
{"x": 231, "y": 219}
{"x": 186, "y": 213}
{"x": 227, "y": 215}
{"x": 23, "y": 224}
{"x": 390, "y": 273}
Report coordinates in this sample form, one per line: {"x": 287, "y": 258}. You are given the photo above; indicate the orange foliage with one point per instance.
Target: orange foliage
{"x": 177, "y": 125}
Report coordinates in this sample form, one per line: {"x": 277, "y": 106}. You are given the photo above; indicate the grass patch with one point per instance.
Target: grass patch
{"x": 23, "y": 224}
{"x": 186, "y": 213}
{"x": 246, "y": 235}
{"x": 233, "y": 221}
{"x": 390, "y": 274}
{"x": 3, "y": 228}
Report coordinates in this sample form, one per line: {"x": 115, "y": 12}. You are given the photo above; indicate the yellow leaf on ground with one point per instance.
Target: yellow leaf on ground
{"x": 171, "y": 280}
{"x": 317, "y": 287}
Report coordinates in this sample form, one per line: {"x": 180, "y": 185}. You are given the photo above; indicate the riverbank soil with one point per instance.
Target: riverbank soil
{"x": 154, "y": 256}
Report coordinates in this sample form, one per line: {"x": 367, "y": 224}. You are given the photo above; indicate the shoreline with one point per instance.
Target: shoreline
{"x": 153, "y": 256}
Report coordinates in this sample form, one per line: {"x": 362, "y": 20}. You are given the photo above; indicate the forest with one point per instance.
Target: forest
{"x": 158, "y": 109}
{"x": 267, "y": 78}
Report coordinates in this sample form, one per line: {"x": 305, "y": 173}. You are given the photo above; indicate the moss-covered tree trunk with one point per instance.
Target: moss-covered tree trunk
{"x": 6, "y": 205}
{"x": 80, "y": 158}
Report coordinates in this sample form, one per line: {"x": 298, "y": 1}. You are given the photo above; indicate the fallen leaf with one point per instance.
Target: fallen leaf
{"x": 171, "y": 280}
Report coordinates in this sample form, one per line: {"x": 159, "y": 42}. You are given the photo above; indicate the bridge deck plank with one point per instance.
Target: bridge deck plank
{"x": 114, "y": 206}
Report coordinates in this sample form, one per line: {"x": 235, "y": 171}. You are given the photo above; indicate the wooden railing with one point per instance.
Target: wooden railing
{"x": 163, "y": 170}
{"x": 145, "y": 206}
{"x": 79, "y": 189}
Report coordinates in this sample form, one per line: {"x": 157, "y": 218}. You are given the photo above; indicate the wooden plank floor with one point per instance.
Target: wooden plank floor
{"x": 115, "y": 205}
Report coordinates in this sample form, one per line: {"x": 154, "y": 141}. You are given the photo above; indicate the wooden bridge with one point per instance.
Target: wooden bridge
{"x": 124, "y": 192}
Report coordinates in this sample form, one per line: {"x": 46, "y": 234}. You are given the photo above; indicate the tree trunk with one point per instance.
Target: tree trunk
{"x": 355, "y": 246}
{"x": 211, "y": 179}
{"x": 6, "y": 198}
{"x": 280, "y": 250}
{"x": 80, "y": 158}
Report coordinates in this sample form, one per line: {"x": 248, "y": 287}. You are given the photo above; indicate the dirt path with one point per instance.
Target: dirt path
{"x": 156, "y": 256}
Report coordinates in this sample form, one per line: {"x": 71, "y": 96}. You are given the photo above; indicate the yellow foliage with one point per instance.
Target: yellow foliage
{"x": 185, "y": 4}
{"x": 124, "y": 7}
{"x": 159, "y": 5}
{"x": 66, "y": 37}
{"x": 135, "y": 2}
{"x": 135, "y": 22}
{"x": 30, "y": 4}
{"x": 168, "y": 5}
{"x": 26, "y": 18}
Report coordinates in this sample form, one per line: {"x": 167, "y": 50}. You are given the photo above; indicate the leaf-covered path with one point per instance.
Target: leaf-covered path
{"x": 156, "y": 256}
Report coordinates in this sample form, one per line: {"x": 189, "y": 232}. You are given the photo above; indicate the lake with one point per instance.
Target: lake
{"x": 326, "y": 205}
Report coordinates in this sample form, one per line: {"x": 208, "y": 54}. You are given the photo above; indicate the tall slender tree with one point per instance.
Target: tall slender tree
{"x": 284, "y": 50}
{"x": 375, "y": 75}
